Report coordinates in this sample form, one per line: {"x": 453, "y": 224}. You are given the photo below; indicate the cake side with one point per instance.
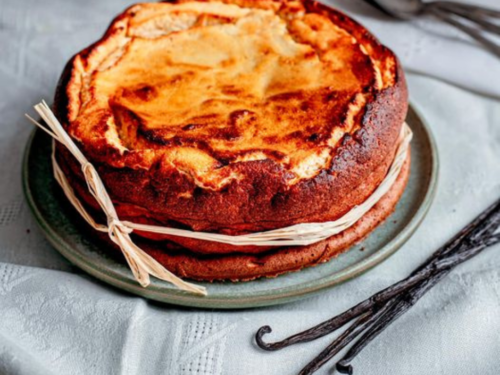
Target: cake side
{"x": 246, "y": 267}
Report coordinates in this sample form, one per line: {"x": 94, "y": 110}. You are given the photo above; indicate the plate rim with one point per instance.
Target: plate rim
{"x": 263, "y": 298}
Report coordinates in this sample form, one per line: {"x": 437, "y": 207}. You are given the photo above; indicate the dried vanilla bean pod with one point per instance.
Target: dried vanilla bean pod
{"x": 488, "y": 220}
{"x": 409, "y": 298}
{"x": 384, "y": 307}
{"x": 390, "y": 311}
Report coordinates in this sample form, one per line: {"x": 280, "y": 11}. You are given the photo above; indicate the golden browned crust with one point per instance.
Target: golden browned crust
{"x": 246, "y": 267}
{"x": 153, "y": 179}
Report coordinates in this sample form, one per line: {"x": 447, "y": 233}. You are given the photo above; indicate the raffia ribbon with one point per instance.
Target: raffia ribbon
{"x": 143, "y": 265}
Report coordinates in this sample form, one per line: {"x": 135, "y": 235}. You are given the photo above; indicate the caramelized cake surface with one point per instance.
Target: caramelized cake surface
{"x": 204, "y": 85}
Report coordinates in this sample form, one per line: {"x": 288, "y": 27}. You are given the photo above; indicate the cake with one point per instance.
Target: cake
{"x": 234, "y": 117}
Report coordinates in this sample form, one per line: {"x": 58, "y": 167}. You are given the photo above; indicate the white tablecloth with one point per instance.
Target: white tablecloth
{"x": 56, "y": 320}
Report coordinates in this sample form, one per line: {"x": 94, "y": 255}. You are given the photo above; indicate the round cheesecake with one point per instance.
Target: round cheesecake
{"x": 234, "y": 117}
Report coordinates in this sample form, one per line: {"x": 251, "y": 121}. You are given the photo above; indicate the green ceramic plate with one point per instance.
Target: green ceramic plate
{"x": 66, "y": 233}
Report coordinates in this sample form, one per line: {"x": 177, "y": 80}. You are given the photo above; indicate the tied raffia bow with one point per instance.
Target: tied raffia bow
{"x": 143, "y": 265}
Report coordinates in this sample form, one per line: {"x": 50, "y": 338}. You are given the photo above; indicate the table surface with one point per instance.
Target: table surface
{"x": 55, "y": 320}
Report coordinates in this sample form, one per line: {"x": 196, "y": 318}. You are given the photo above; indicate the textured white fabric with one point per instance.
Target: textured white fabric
{"x": 55, "y": 320}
